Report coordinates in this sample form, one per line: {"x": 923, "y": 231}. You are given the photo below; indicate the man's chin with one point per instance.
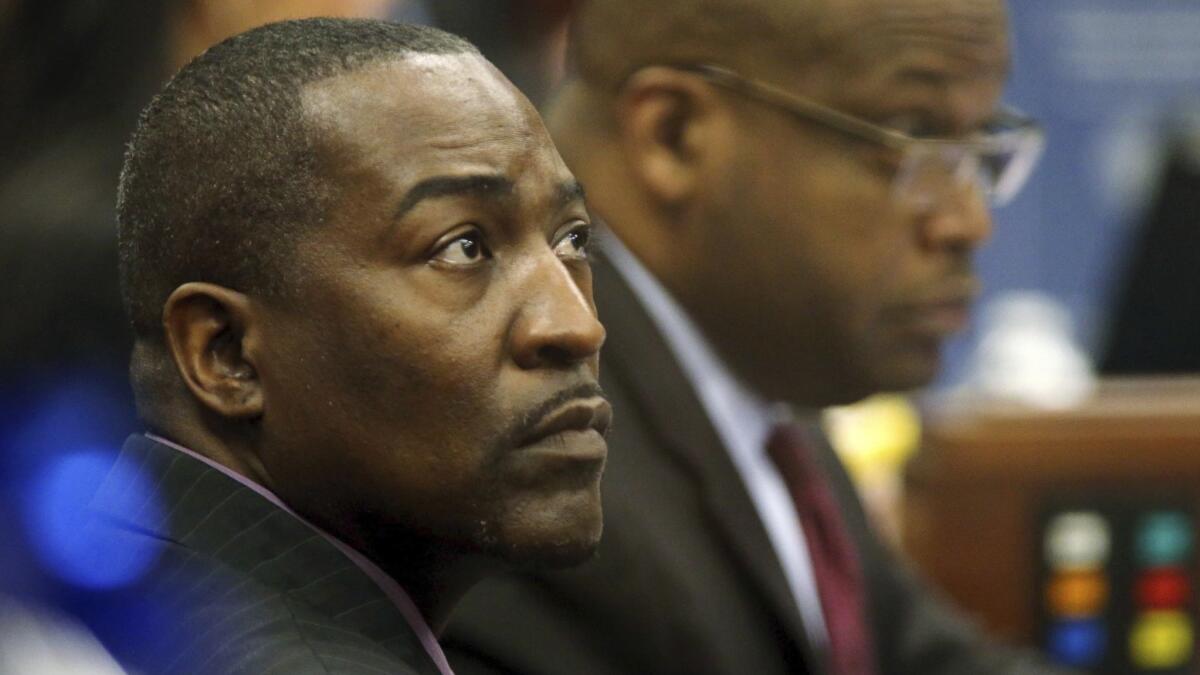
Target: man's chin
{"x": 902, "y": 373}
{"x": 913, "y": 371}
{"x": 561, "y": 557}
{"x": 550, "y": 536}
{"x": 549, "y": 555}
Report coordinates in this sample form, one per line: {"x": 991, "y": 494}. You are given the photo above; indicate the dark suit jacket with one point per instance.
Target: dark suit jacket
{"x": 686, "y": 580}
{"x": 241, "y": 585}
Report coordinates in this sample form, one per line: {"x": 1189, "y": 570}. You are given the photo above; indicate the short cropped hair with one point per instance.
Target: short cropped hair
{"x": 223, "y": 172}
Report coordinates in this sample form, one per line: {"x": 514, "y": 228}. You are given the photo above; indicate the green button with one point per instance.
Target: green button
{"x": 1164, "y": 538}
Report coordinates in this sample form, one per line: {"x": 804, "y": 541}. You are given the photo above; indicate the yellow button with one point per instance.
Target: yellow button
{"x": 1161, "y": 640}
{"x": 1077, "y": 594}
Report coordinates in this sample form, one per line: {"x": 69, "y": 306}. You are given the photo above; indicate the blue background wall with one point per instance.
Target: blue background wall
{"x": 1106, "y": 78}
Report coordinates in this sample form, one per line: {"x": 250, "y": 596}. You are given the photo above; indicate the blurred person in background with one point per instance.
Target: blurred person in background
{"x": 526, "y": 39}
{"x": 368, "y": 380}
{"x": 74, "y": 73}
{"x": 1155, "y": 328}
{"x": 73, "y": 76}
{"x": 796, "y": 190}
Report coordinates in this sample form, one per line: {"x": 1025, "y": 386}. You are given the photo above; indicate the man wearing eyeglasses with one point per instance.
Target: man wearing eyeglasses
{"x": 796, "y": 190}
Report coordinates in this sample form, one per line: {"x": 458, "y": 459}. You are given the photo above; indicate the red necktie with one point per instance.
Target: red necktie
{"x": 834, "y": 560}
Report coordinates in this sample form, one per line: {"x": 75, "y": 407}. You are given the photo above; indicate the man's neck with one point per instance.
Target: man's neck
{"x": 233, "y": 454}
{"x": 435, "y": 578}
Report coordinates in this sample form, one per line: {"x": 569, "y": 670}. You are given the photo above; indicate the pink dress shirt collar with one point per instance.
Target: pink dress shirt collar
{"x": 386, "y": 583}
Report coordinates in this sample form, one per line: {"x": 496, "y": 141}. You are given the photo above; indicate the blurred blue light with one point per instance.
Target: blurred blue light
{"x": 76, "y": 410}
{"x": 66, "y": 536}
{"x": 1077, "y": 643}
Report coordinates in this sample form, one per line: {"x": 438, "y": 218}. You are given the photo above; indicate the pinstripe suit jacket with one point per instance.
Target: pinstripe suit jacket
{"x": 243, "y": 586}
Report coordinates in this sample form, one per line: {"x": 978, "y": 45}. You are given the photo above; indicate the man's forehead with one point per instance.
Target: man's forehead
{"x": 435, "y": 125}
{"x": 407, "y": 119}
{"x": 417, "y": 101}
{"x": 917, "y": 40}
{"x": 883, "y": 58}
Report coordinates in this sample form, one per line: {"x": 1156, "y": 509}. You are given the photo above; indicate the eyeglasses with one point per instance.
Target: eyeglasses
{"x": 998, "y": 159}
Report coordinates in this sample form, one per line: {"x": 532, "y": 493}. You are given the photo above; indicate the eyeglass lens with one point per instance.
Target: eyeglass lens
{"x": 928, "y": 175}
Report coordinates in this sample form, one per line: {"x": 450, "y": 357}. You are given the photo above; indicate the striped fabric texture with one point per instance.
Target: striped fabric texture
{"x": 239, "y": 585}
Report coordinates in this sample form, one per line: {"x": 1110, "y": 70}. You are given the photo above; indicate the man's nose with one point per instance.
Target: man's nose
{"x": 959, "y": 220}
{"x": 557, "y": 324}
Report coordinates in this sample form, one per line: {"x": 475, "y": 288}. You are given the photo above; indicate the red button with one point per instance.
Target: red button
{"x": 1163, "y": 588}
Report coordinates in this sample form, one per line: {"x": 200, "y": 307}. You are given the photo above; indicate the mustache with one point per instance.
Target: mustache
{"x": 529, "y": 421}
{"x": 957, "y": 280}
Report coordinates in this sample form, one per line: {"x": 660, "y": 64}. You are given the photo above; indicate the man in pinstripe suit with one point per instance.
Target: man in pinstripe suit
{"x": 366, "y": 350}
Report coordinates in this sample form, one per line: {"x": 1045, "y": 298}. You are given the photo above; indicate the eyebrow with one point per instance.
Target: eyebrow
{"x": 479, "y": 185}
{"x": 569, "y": 191}
{"x": 926, "y": 75}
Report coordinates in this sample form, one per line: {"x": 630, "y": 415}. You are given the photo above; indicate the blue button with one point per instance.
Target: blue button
{"x": 1077, "y": 643}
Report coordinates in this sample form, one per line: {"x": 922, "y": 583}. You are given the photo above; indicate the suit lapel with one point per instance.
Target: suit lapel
{"x": 638, "y": 355}
{"x": 213, "y": 515}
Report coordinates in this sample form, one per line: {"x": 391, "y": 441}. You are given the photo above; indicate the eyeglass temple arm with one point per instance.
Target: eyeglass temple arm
{"x": 773, "y": 95}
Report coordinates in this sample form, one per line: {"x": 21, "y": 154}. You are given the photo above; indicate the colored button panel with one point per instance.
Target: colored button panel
{"x": 1077, "y": 594}
{"x": 1077, "y": 539}
{"x": 1077, "y": 643}
{"x": 1163, "y": 588}
{"x": 1161, "y": 640}
{"x": 1164, "y": 538}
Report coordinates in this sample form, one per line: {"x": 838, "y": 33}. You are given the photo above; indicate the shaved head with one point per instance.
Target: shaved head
{"x": 969, "y": 33}
{"x": 613, "y": 38}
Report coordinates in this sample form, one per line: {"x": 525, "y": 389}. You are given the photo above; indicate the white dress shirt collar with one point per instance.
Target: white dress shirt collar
{"x": 741, "y": 418}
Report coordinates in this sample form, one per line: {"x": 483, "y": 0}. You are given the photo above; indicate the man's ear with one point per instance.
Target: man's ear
{"x": 669, "y": 131}
{"x": 212, "y": 335}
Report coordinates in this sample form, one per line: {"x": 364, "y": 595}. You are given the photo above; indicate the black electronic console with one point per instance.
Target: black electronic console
{"x": 1118, "y": 583}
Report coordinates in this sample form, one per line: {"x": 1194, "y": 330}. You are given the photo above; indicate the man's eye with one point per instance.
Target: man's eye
{"x": 464, "y": 249}
{"x": 916, "y": 125}
{"x": 573, "y": 245}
